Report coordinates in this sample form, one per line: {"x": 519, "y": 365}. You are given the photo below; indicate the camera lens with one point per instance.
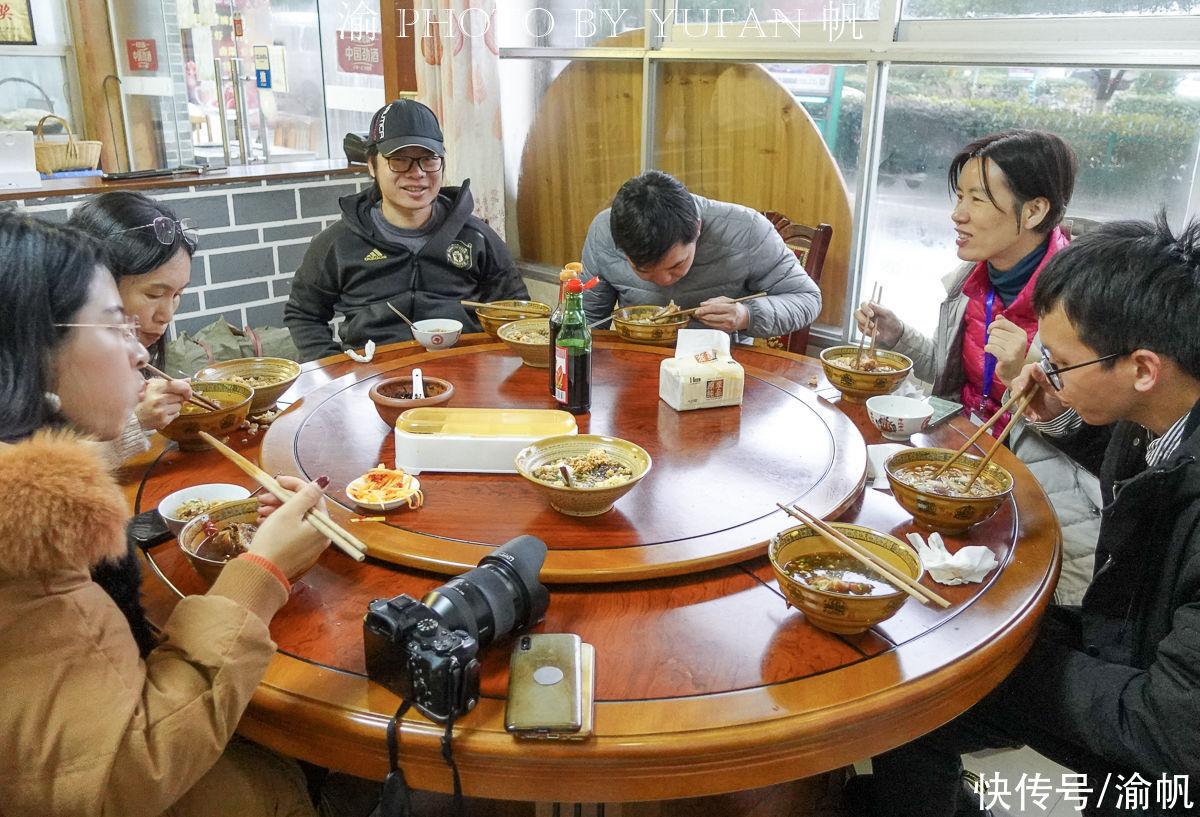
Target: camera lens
{"x": 499, "y": 596}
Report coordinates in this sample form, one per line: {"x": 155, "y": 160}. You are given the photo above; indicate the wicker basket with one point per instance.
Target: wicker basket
{"x": 73, "y": 154}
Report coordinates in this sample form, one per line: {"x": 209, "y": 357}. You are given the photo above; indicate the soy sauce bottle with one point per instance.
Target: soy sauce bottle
{"x": 573, "y": 354}
{"x": 569, "y": 272}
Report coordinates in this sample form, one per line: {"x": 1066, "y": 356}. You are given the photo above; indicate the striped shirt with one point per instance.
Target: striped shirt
{"x": 1157, "y": 450}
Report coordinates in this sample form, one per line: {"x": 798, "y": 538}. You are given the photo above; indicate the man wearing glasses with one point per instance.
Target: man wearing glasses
{"x": 407, "y": 242}
{"x": 656, "y": 233}
{"x": 1110, "y": 689}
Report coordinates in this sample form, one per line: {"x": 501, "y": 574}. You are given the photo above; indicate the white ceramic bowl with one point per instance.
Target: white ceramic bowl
{"x": 898, "y": 418}
{"x": 390, "y": 505}
{"x": 211, "y": 491}
{"x": 437, "y": 333}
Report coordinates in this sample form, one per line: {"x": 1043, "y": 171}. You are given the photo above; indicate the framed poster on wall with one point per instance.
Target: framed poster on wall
{"x": 16, "y": 23}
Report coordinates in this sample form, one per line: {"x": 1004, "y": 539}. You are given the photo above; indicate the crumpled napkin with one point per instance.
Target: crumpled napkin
{"x": 876, "y": 454}
{"x": 365, "y": 357}
{"x": 969, "y": 564}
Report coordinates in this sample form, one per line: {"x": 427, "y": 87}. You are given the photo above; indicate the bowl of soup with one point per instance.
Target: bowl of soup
{"x": 529, "y": 338}
{"x": 268, "y": 376}
{"x": 600, "y": 470}
{"x": 393, "y": 396}
{"x": 437, "y": 333}
{"x": 234, "y": 401}
{"x": 835, "y": 591}
{"x": 638, "y": 324}
{"x": 498, "y": 313}
{"x": 879, "y": 372}
{"x": 211, "y": 539}
{"x": 942, "y": 502}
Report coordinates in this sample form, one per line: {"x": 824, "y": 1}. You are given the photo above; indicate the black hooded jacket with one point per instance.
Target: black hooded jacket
{"x": 353, "y": 270}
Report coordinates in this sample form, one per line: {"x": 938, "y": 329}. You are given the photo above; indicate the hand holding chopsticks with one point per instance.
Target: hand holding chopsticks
{"x": 345, "y": 541}
{"x": 675, "y": 313}
{"x": 866, "y": 557}
{"x": 195, "y": 399}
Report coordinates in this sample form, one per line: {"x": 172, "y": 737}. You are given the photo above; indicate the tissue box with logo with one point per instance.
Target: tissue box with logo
{"x": 702, "y": 374}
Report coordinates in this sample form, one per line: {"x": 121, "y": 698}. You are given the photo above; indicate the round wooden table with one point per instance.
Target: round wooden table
{"x": 706, "y": 682}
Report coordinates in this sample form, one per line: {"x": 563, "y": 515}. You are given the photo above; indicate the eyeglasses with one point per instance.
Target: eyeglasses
{"x": 1052, "y": 373}
{"x": 403, "y": 164}
{"x": 129, "y": 329}
{"x": 165, "y": 229}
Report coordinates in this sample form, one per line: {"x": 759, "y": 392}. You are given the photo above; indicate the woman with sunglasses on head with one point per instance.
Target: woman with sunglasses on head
{"x": 1011, "y": 190}
{"x": 92, "y": 720}
{"x": 150, "y": 253}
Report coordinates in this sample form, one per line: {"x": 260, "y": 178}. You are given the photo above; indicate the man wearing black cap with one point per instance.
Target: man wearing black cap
{"x": 407, "y": 242}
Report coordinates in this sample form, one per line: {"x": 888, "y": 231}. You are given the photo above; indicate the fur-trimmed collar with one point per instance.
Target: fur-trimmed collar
{"x": 62, "y": 508}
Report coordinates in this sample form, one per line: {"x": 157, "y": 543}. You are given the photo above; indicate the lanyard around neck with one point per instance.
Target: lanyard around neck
{"x": 989, "y": 360}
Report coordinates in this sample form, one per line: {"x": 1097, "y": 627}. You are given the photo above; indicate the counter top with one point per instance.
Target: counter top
{"x": 83, "y": 185}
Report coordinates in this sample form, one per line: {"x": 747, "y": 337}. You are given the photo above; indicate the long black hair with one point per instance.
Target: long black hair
{"x": 124, "y": 220}
{"x": 45, "y": 277}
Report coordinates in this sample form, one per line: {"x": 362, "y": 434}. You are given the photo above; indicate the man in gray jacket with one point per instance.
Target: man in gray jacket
{"x": 659, "y": 243}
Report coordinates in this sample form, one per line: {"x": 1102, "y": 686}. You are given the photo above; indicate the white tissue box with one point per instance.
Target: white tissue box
{"x": 702, "y": 374}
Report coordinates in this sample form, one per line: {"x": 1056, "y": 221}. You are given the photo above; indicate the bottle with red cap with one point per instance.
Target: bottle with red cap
{"x": 573, "y": 354}
{"x": 569, "y": 272}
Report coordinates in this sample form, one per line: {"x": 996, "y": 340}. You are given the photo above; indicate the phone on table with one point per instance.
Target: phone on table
{"x": 546, "y": 686}
{"x": 148, "y": 529}
{"x": 943, "y": 410}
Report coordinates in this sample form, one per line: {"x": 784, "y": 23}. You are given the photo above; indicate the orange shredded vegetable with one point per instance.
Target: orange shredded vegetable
{"x": 382, "y": 485}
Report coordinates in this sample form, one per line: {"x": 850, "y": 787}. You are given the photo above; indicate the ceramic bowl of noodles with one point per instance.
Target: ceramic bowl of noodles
{"x": 234, "y": 401}
{"x": 602, "y": 470}
{"x": 834, "y": 590}
{"x": 529, "y": 338}
{"x": 943, "y": 503}
{"x": 637, "y": 324}
{"x": 881, "y": 372}
{"x": 181, "y": 507}
{"x": 491, "y": 319}
{"x": 268, "y": 376}
{"x": 212, "y": 539}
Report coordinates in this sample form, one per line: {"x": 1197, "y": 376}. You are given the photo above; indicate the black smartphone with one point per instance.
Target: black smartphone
{"x": 148, "y": 529}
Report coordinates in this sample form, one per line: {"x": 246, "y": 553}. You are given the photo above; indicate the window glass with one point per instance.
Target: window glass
{"x": 1134, "y": 133}
{"x": 33, "y": 87}
{"x": 561, "y": 23}
{"x": 946, "y": 9}
{"x": 563, "y": 160}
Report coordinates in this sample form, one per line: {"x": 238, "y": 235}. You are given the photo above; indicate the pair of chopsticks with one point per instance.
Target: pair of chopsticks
{"x": 345, "y": 541}
{"x": 876, "y": 297}
{"x": 512, "y": 309}
{"x": 1024, "y": 399}
{"x": 195, "y": 399}
{"x": 852, "y": 548}
{"x": 675, "y": 313}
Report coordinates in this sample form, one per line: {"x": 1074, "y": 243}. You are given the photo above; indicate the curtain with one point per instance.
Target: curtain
{"x": 458, "y": 76}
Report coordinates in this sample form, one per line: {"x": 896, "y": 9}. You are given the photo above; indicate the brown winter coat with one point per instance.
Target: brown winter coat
{"x": 86, "y": 726}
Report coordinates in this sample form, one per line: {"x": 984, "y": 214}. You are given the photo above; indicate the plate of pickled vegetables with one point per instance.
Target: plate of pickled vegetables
{"x": 386, "y": 489}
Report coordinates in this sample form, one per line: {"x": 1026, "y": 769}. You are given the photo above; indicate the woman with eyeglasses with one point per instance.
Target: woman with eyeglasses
{"x": 99, "y": 715}
{"x": 1011, "y": 190}
{"x": 150, "y": 252}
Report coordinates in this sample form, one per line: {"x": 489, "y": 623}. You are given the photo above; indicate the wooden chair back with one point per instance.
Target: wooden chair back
{"x": 810, "y": 245}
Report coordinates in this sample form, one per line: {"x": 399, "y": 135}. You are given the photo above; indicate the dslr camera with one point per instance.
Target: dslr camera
{"x": 425, "y": 651}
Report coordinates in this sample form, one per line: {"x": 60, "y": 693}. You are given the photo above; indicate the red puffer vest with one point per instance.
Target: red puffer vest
{"x": 1020, "y": 312}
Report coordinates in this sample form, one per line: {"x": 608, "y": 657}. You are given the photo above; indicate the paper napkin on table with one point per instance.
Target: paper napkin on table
{"x": 969, "y": 564}
{"x": 876, "y": 455}
{"x": 365, "y": 357}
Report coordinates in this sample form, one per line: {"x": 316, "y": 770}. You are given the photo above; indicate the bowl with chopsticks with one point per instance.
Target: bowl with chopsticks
{"x": 880, "y": 372}
{"x": 941, "y": 502}
{"x": 642, "y": 324}
{"x": 834, "y": 590}
{"x": 233, "y": 405}
{"x": 213, "y": 538}
{"x": 600, "y": 470}
{"x": 529, "y": 338}
{"x": 268, "y": 376}
{"x": 495, "y": 314}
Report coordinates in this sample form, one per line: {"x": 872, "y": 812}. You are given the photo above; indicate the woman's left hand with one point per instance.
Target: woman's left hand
{"x": 161, "y": 402}
{"x": 722, "y": 313}
{"x": 1009, "y": 344}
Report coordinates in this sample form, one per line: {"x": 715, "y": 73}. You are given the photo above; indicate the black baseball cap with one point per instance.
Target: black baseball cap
{"x": 405, "y": 123}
